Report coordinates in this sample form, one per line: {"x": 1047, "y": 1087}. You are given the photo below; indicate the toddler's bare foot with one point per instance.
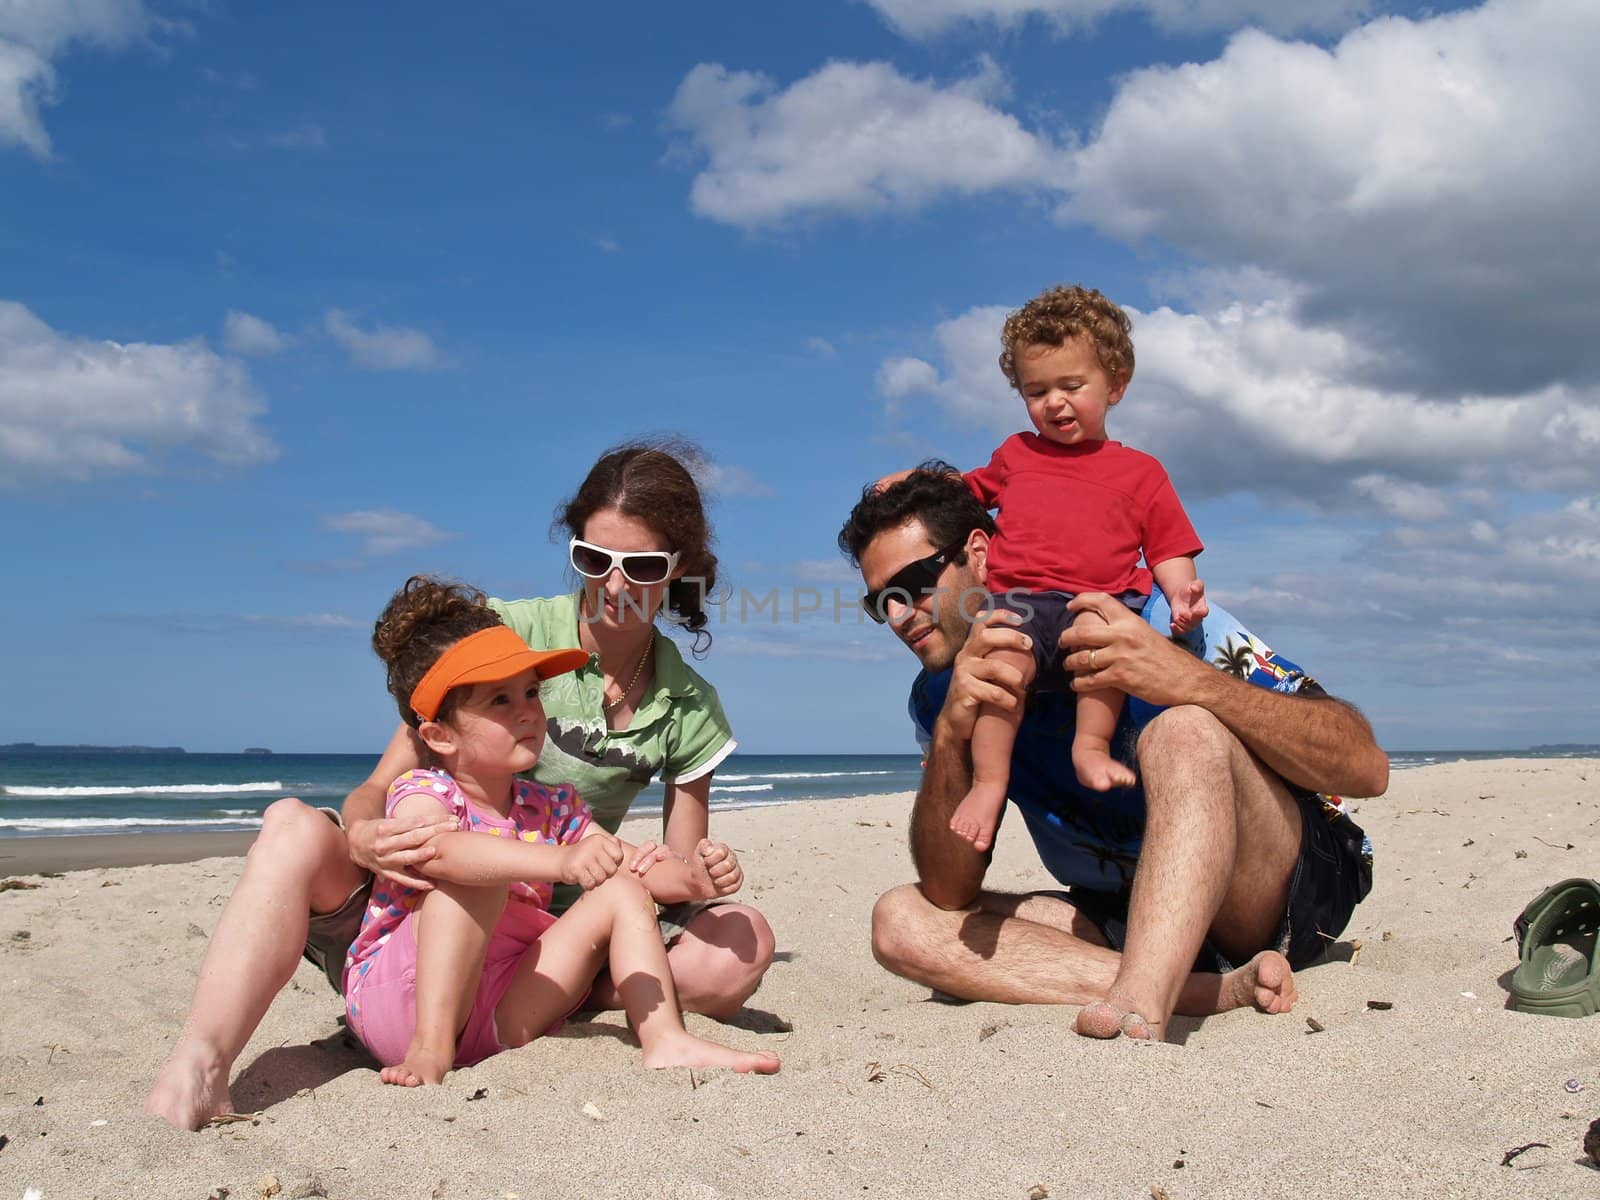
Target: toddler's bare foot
{"x": 1100, "y": 772}
{"x": 424, "y": 1063}
{"x": 686, "y": 1050}
{"x": 978, "y": 814}
{"x": 191, "y": 1088}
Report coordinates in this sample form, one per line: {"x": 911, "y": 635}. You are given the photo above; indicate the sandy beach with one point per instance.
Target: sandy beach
{"x": 885, "y": 1090}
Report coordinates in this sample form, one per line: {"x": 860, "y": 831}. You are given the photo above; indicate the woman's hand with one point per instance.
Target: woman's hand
{"x": 721, "y": 866}
{"x": 980, "y": 679}
{"x": 394, "y": 847}
{"x": 591, "y": 860}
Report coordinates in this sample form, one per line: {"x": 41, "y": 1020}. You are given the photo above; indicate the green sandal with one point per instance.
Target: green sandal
{"x": 1558, "y": 975}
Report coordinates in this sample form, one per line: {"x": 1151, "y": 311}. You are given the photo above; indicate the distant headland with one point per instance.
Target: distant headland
{"x": 36, "y": 748}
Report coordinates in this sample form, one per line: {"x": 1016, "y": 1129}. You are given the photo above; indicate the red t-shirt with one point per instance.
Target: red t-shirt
{"x": 1074, "y": 518}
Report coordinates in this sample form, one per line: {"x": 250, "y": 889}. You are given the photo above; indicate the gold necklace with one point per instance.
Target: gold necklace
{"x": 611, "y": 706}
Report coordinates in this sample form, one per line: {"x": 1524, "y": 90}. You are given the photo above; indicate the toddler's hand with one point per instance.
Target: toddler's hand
{"x": 1189, "y": 607}
{"x": 591, "y": 861}
{"x": 721, "y": 865}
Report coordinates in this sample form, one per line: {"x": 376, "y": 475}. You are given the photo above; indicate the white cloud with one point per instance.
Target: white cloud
{"x": 1428, "y": 185}
{"x": 243, "y": 333}
{"x": 75, "y": 408}
{"x": 32, "y": 33}
{"x": 850, "y": 138}
{"x": 309, "y": 136}
{"x": 384, "y": 531}
{"x": 383, "y": 347}
{"x": 1248, "y": 398}
{"x": 926, "y": 18}
{"x": 821, "y": 347}
{"x": 727, "y": 481}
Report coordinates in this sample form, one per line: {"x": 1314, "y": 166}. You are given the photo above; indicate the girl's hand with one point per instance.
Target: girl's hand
{"x": 591, "y": 861}
{"x": 393, "y": 847}
{"x": 721, "y": 865}
{"x": 648, "y": 855}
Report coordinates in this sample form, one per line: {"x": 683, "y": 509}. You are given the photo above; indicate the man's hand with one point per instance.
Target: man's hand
{"x": 591, "y": 861}
{"x": 721, "y": 865}
{"x": 1189, "y": 606}
{"x": 1121, "y": 651}
{"x": 393, "y": 847}
{"x": 980, "y": 679}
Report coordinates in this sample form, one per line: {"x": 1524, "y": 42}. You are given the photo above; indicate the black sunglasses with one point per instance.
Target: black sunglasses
{"x": 910, "y": 582}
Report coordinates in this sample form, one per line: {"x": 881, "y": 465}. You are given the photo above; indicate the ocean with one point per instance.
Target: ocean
{"x": 54, "y": 793}
{"x": 50, "y": 792}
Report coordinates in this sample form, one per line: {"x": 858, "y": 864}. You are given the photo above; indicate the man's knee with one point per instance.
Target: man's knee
{"x": 1185, "y": 736}
{"x": 894, "y": 925}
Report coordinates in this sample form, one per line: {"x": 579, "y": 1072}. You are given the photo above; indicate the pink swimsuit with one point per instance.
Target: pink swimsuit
{"x": 380, "y": 973}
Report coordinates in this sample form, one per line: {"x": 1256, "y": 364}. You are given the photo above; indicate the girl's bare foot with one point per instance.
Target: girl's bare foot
{"x": 1100, "y": 772}
{"x": 424, "y": 1063}
{"x": 191, "y": 1088}
{"x": 686, "y": 1050}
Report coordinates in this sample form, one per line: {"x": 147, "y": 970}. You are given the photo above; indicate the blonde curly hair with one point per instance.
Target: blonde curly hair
{"x": 1059, "y": 314}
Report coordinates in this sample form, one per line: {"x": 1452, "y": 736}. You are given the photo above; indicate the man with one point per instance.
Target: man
{"x": 1197, "y": 891}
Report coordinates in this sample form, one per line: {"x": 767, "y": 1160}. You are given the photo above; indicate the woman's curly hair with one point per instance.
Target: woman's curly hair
{"x": 649, "y": 481}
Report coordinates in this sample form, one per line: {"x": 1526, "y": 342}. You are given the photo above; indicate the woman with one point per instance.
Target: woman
{"x": 641, "y": 544}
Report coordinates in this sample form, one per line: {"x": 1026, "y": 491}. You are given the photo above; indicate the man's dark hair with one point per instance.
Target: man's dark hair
{"x": 932, "y": 494}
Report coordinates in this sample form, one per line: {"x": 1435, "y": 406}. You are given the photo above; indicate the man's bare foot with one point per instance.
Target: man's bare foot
{"x": 1099, "y": 771}
{"x": 1107, "y": 1019}
{"x": 191, "y": 1087}
{"x": 424, "y": 1063}
{"x": 686, "y": 1050}
{"x": 1265, "y": 982}
{"x": 978, "y": 814}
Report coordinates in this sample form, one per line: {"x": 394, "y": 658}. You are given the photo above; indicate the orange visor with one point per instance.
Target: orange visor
{"x": 487, "y": 656}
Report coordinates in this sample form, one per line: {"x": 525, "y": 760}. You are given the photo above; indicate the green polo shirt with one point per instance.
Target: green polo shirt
{"x": 678, "y": 731}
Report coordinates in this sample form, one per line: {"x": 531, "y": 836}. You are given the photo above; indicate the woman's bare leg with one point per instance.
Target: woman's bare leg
{"x": 299, "y": 862}
{"x": 614, "y": 924}
{"x": 452, "y": 925}
{"x": 717, "y": 963}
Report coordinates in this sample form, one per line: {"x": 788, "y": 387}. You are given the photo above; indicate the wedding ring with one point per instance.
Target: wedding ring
{"x": 1092, "y": 666}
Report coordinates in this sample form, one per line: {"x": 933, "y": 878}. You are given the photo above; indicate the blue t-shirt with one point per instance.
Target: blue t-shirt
{"x": 1087, "y": 838}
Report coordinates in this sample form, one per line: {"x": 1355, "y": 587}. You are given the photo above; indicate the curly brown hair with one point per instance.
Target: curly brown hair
{"x": 421, "y": 621}
{"x": 648, "y": 481}
{"x": 1059, "y": 314}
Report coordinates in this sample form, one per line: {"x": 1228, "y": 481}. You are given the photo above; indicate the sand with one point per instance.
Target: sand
{"x": 885, "y": 1090}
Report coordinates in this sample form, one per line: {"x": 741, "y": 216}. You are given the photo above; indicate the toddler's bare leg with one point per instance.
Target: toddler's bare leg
{"x": 993, "y": 734}
{"x": 615, "y": 925}
{"x": 1091, "y": 741}
{"x": 452, "y": 925}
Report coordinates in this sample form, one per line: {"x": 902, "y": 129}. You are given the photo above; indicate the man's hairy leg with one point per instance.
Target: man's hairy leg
{"x": 1039, "y": 949}
{"x": 1221, "y": 838}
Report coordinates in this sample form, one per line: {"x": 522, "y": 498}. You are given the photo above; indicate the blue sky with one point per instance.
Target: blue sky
{"x": 296, "y": 300}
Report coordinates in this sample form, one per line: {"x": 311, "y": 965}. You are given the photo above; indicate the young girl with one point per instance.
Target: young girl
{"x": 478, "y": 965}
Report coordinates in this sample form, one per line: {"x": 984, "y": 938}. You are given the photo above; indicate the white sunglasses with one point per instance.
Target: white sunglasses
{"x": 637, "y": 566}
